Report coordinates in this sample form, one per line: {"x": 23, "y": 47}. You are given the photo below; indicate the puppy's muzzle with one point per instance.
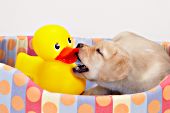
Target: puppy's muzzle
{"x": 80, "y": 69}
{"x": 80, "y": 45}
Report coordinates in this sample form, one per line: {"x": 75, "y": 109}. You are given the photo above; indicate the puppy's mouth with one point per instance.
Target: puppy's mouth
{"x": 80, "y": 68}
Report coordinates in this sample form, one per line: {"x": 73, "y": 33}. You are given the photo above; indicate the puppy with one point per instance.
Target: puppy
{"x": 127, "y": 64}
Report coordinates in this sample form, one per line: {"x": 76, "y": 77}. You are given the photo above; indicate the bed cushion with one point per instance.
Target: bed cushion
{"x": 18, "y": 94}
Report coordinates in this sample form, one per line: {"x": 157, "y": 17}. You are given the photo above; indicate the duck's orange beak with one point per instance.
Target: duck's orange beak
{"x": 68, "y": 55}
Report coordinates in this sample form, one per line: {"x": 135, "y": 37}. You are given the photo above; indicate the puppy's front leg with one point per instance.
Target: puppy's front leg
{"x": 98, "y": 90}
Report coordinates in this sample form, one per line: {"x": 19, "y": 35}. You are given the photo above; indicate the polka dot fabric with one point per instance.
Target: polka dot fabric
{"x": 18, "y": 94}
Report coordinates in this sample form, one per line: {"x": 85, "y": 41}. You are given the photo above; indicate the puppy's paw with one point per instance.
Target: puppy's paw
{"x": 97, "y": 91}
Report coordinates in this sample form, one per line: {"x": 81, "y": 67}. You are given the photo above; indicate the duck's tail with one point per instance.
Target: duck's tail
{"x": 29, "y": 65}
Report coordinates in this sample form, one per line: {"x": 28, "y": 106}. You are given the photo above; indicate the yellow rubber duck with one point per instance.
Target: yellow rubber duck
{"x": 52, "y": 68}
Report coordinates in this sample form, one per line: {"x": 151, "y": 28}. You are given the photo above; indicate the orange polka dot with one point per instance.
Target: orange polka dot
{"x": 103, "y": 100}
{"x": 30, "y": 44}
{"x": 68, "y": 99}
{"x": 11, "y": 44}
{"x": 4, "y": 87}
{"x": 138, "y": 99}
{"x": 8, "y": 68}
{"x": 96, "y": 40}
{"x": 1, "y": 38}
{"x": 49, "y": 107}
{"x": 31, "y": 112}
{"x": 21, "y": 37}
{"x": 3, "y": 109}
{"x": 33, "y": 94}
{"x": 2, "y": 54}
{"x": 10, "y": 61}
{"x": 21, "y": 49}
{"x": 19, "y": 79}
{"x": 154, "y": 106}
{"x": 153, "y": 89}
{"x": 17, "y": 103}
{"x": 121, "y": 108}
{"x": 85, "y": 108}
{"x": 167, "y": 111}
{"x": 166, "y": 92}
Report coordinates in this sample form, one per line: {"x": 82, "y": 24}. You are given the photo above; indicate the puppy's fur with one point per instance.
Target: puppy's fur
{"x": 127, "y": 64}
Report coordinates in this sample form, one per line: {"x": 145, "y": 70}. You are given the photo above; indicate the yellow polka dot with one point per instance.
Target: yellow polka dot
{"x": 2, "y": 54}
{"x": 17, "y": 103}
{"x": 3, "y": 109}
{"x": 85, "y": 108}
{"x": 30, "y": 44}
{"x": 33, "y": 94}
{"x": 8, "y": 68}
{"x": 49, "y": 107}
{"x": 31, "y": 112}
{"x": 21, "y": 37}
{"x": 10, "y": 61}
{"x": 166, "y": 92}
{"x": 138, "y": 99}
{"x": 167, "y": 111}
{"x": 19, "y": 79}
{"x": 68, "y": 100}
{"x": 103, "y": 100}
{"x": 11, "y": 44}
{"x": 121, "y": 108}
{"x": 4, "y": 87}
{"x": 154, "y": 106}
{"x": 21, "y": 49}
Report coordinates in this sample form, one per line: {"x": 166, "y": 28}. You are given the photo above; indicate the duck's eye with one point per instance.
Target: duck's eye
{"x": 98, "y": 51}
{"x": 57, "y": 46}
{"x": 69, "y": 40}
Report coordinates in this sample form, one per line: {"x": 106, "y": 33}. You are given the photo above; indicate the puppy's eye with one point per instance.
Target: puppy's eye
{"x": 98, "y": 51}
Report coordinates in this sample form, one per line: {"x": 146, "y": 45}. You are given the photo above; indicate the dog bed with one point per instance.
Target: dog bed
{"x": 18, "y": 94}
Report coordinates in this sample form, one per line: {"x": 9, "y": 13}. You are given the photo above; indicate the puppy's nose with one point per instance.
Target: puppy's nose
{"x": 80, "y": 45}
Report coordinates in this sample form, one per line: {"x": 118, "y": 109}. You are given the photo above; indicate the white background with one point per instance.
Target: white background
{"x": 88, "y": 18}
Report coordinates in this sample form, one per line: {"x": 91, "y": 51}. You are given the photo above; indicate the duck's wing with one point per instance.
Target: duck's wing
{"x": 29, "y": 65}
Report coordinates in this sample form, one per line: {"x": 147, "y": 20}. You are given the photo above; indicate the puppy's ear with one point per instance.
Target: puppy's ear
{"x": 115, "y": 68}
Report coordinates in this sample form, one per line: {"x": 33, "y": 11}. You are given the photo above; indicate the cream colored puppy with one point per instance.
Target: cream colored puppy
{"x": 128, "y": 64}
